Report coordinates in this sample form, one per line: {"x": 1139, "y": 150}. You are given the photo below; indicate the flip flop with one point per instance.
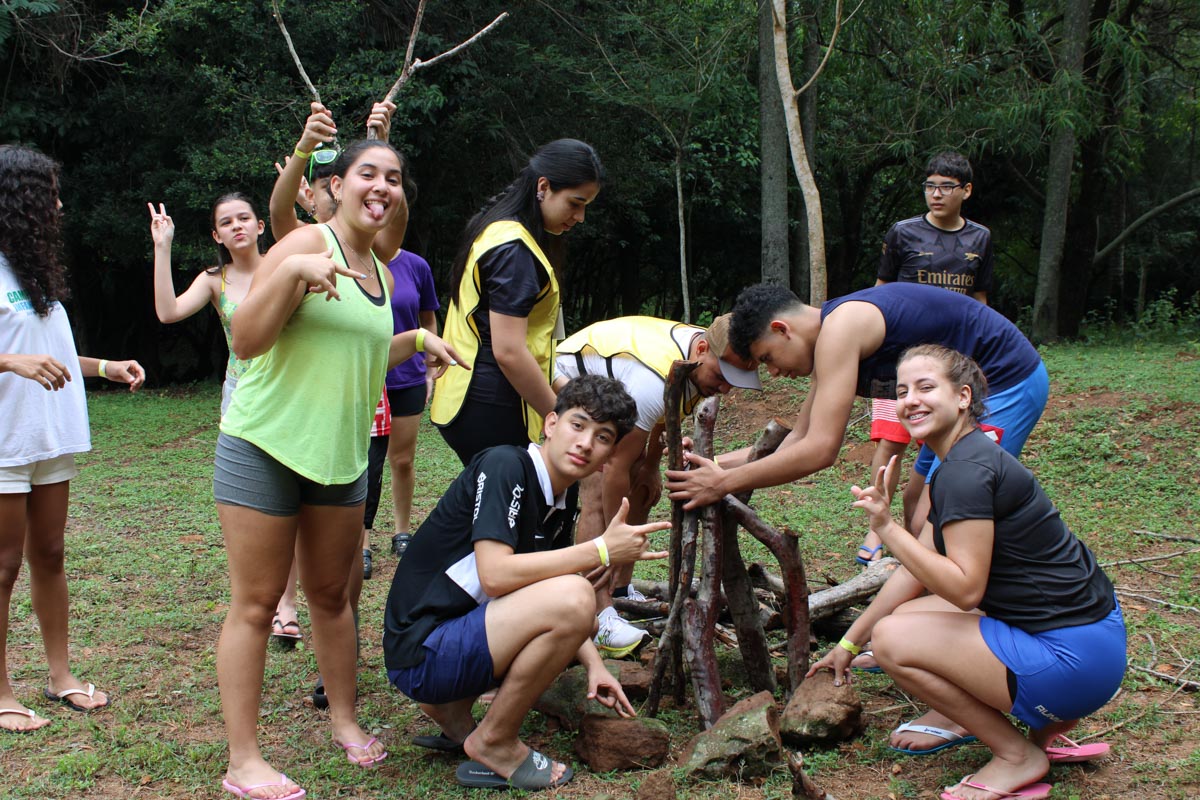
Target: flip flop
{"x": 1075, "y": 753}
{"x": 875, "y": 670}
{"x": 367, "y": 761}
{"x": 441, "y": 743}
{"x": 1033, "y": 791}
{"x": 24, "y": 712}
{"x": 952, "y": 739}
{"x": 870, "y": 551}
{"x": 65, "y": 695}
{"x": 280, "y": 633}
{"x": 531, "y": 775}
{"x": 244, "y": 791}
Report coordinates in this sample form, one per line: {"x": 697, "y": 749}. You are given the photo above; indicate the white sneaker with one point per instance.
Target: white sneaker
{"x": 633, "y": 594}
{"x": 616, "y": 638}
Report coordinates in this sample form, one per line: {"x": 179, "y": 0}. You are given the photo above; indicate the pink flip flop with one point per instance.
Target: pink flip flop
{"x": 244, "y": 791}
{"x": 1034, "y": 791}
{"x": 1076, "y": 753}
{"x": 363, "y": 762}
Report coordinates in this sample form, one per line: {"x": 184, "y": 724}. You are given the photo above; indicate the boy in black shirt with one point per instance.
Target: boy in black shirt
{"x": 490, "y": 594}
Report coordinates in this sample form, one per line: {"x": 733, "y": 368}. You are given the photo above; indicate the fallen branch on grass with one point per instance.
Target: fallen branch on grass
{"x": 1148, "y": 559}
{"x": 1190, "y": 686}
{"x": 1168, "y": 537}
{"x": 1155, "y": 600}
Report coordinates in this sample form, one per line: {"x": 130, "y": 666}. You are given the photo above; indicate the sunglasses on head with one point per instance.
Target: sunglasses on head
{"x": 322, "y": 157}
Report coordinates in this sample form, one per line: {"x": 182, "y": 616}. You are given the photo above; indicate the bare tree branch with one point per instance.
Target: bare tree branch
{"x": 1142, "y": 220}
{"x": 411, "y": 66}
{"x": 292, "y": 49}
{"x": 837, "y": 26}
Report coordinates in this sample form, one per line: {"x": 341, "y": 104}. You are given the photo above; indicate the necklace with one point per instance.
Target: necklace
{"x": 367, "y": 271}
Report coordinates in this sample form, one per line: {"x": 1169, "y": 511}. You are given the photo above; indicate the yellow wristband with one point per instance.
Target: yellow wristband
{"x": 298, "y": 153}
{"x": 420, "y": 343}
{"x": 603, "y": 549}
{"x": 100, "y": 368}
{"x": 846, "y": 644}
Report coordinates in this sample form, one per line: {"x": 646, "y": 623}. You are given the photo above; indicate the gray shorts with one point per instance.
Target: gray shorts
{"x": 245, "y": 475}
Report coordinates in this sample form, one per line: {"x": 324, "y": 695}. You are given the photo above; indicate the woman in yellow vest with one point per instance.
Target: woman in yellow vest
{"x": 504, "y": 314}
{"x": 290, "y": 471}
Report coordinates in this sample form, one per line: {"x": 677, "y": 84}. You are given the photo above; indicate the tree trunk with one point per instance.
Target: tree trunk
{"x": 1058, "y": 181}
{"x": 683, "y": 273}
{"x": 773, "y": 155}
{"x": 804, "y": 173}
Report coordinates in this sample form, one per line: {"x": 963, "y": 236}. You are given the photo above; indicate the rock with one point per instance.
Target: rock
{"x": 820, "y": 713}
{"x": 566, "y": 699}
{"x": 658, "y": 785}
{"x": 744, "y": 742}
{"x": 635, "y": 678}
{"x": 608, "y": 743}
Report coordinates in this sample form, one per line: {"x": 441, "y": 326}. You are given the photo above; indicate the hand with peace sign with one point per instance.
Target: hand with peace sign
{"x": 875, "y": 499}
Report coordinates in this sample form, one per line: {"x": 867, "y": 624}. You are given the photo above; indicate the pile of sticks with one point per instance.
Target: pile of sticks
{"x": 691, "y": 629}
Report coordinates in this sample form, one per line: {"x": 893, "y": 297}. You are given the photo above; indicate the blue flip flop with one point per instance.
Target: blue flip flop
{"x": 870, "y": 551}
{"x": 873, "y": 670}
{"x": 952, "y": 739}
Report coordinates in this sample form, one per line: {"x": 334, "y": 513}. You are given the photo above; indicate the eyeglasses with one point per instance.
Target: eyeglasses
{"x": 930, "y": 188}
{"x": 322, "y": 157}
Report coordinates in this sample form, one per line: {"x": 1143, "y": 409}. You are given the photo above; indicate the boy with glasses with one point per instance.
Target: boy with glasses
{"x": 937, "y": 248}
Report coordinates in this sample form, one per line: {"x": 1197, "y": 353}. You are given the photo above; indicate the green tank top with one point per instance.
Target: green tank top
{"x": 309, "y": 401}
{"x": 225, "y": 308}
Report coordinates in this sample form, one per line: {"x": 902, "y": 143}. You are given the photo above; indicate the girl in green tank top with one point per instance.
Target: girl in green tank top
{"x": 318, "y": 326}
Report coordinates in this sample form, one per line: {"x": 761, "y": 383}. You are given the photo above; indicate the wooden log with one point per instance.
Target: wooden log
{"x": 829, "y": 602}
{"x": 745, "y": 609}
{"x": 682, "y": 546}
{"x": 701, "y": 619}
{"x": 673, "y": 391}
{"x": 786, "y": 550}
{"x": 658, "y": 590}
{"x": 641, "y": 609}
{"x": 748, "y": 620}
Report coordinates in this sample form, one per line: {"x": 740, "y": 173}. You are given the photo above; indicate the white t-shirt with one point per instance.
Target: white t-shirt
{"x": 36, "y": 424}
{"x": 644, "y": 385}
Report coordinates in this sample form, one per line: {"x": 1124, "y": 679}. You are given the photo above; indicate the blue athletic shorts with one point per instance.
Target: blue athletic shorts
{"x": 246, "y": 475}
{"x": 457, "y": 664}
{"x": 1064, "y": 674}
{"x": 1014, "y": 412}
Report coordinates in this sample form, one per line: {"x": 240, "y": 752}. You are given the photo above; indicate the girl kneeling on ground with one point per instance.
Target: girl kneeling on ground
{"x": 999, "y": 608}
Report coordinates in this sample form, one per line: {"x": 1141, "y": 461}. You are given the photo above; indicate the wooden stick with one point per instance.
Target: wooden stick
{"x": 682, "y": 545}
{"x": 786, "y": 549}
{"x": 1190, "y": 686}
{"x": 701, "y": 613}
{"x": 1124, "y": 593}
{"x": 411, "y": 65}
{"x": 292, "y": 49}
{"x": 1150, "y": 558}
{"x": 803, "y": 786}
{"x": 1168, "y": 537}
{"x": 739, "y": 592}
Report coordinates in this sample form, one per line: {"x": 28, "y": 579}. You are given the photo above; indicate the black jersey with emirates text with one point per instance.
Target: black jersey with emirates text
{"x": 503, "y": 494}
{"x": 915, "y": 251}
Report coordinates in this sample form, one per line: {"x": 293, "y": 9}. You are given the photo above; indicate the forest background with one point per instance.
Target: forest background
{"x": 184, "y": 100}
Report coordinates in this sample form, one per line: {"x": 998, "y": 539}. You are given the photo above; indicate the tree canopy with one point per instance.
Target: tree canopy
{"x": 181, "y": 101}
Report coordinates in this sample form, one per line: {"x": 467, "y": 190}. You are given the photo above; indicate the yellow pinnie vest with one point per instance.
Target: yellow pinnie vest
{"x": 649, "y": 340}
{"x": 450, "y": 391}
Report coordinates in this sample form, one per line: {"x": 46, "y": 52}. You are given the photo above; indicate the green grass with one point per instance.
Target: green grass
{"x": 1117, "y": 451}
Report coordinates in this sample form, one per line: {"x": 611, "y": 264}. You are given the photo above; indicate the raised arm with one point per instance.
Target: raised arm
{"x": 318, "y": 129}
{"x": 169, "y": 307}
